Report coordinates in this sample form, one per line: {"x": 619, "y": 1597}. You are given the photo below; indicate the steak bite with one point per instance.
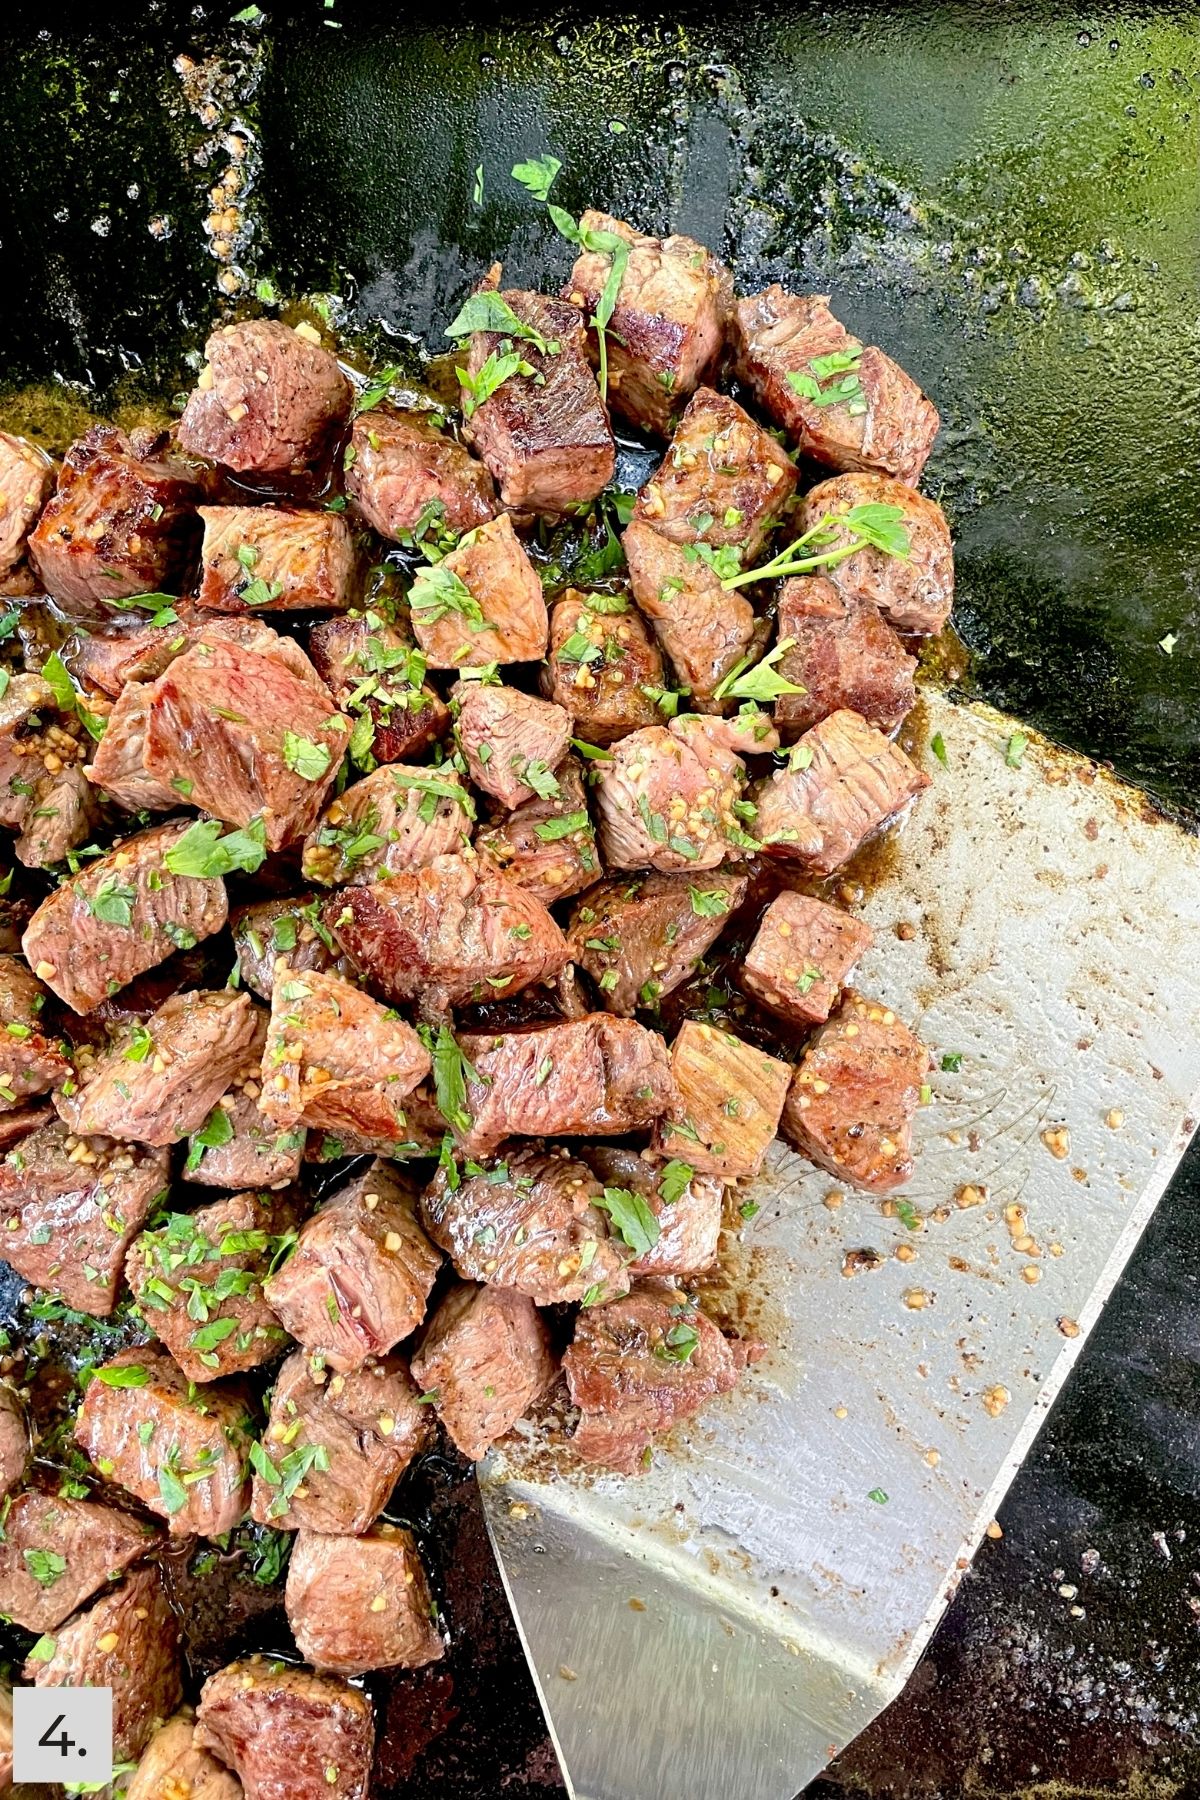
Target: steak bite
{"x": 544, "y": 435}
{"x": 335, "y": 1446}
{"x": 639, "y": 936}
{"x": 32, "y": 1063}
{"x": 638, "y": 1365}
{"x": 236, "y": 1148}
{"x": 289, "y": 1734}
{"x": 26, "y": 478}
{"x": 448, "y": 934}
{"x": 119, "y": 763}
{"x": 250, "y": 734}
{"x": 269, "y": 929}
{"x": 359, "y": 1277}
{"x": 704, "y": 629}
{"x": 668, "y": 326}
{"x": 686, "y": 1208}
{"x": 730, "y": 1099}
{"x": 14, "y": 1445}
{"x": 485, "y": 1358}
{"x": 668, "y": 797}
{"x": 512, "y": 741}
{"x": 173, "y": 1768}
{"x": 70, "y": 1207}
{"x": 817, "y": 811}
{"x": 408, "y": 477}
{"x": 914, "y": 592}
{"x": 57, "y": 1553}
{"x": 121, "y": 915}
{"x": 801, "y": 956}
{"x": 482, "y": 603}
{"x": 843, "y": 654}
{"x": 119, "y": 523}
{"x": 181, "y": 1453}
{"x": 22, "y": 704}
{"x": 603, "y": 667}
{"x": 269, "y": 400}
{"x": 361, "y": 1603}
{"x": 723, "y": 482}
{"x": 840, "y": 404}
{"x": 62, "y": 813}
{"x": 372, "y": 669}
{"x": 851, "y": 1104}
{"x": 275, "y": 559}
{"x": 110, "y": 659}
{"x": 337, "y": 1060}
{"x": 546, "y": 846}
{"x": 400, "y": 817}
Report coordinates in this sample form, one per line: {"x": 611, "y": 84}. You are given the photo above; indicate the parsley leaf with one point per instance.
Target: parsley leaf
{"x": 112, "y": 901}
{"x": 550, "y": 830}
{"x": 45, "y": 1566}
{"x": 631, "y": 1218}
{"x": 490, "y": 311}
{"x": 216, "y": 1130}
{"x": 451, "y": 1073}
{"x": 437, "y": 591}
{"x": 499, "y": 368}
{"x": 537, "y": 174}
{"x": 676, "y": 1177}
{"x": 308, "y": 760}
{"x": 762, "y": 682}
{"x": 202, "y": 851}
{"x": 709, "y": 903}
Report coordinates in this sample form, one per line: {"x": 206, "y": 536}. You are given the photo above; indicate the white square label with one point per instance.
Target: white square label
{"x": 62, "y": 1734}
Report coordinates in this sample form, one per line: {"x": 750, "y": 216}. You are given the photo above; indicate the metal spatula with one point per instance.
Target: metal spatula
{"x": 720, "y": 1627}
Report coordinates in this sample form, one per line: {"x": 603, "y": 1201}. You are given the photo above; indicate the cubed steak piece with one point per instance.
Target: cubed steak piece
{"x": 914, "y": 592}
{"x": 14, "y": 1444}
{"x": 448, "y": 934}
{"x": 236, "y": 1148}
{"x": 172, "y": 1767}
{"x": 335, "y": 1446}
{"x": 529, "y": 1222}
{"x": 544, "y": 435}
{"x": 843, "y": 654}
{"x": 399, "y": 817}
{"x": 198, "y": 1280}
{"x": 851, "y": 1105}
{"x": 639, "y": 936}
{"x": 637, "y": 1366}
{"x": 704, "y": 628}
{"x": 159, "y": 1081}
{"x": 26, "y": 478}
{"x": 269, "y": 400}
{"x": 482, "y": 603}
{"x": 22, "y": 705}
{"x": 252, "y": 736}
{"x": 512, "y": 741}
{"x": 730, "y": 1096}
{"x": 548, "y": 846}
{"x": 129, "y": 1642}
{"x": 32, "y": 1063}
{"x": 294, "y": 929}
{"x": 62, "y": 814}
{"x": 409, "y": 477}
{"x": 121, "y": 915}
{"x": 603, "y": 666}
{"x": 685, "y": 1204}
{"x": 723, "y": 482}
{"x": 125, "y": 652}
{"x": 593, "y": 1074}
{"x": 56, "y": 1553}
{"x": 359, "y": 1277}
{"x": 119, "y": 766}
{"x": 802, "y": 956}
{"x": 337, "y": 1060}
{"x": 70, "y": 1207}
{"x": 275, "y": 559}
{"x": 841, "y": 404}
{"x": 668, "y": 327}
{"x": 361, "y": 1603}
{"x": 842, "y": 782}
{"x": 289, "y": 1734}
{"x": 373, "y": 671}
{"x": 668, "y": 797}
{"x": 118, "y": 523}
{"x": 485, "y": 1358}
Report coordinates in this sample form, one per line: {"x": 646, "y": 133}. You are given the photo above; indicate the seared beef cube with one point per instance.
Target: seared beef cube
{"x": 264, "y": 932}
{"x": 31, "y": 1062}
{"x": 372, "y": 668}
{"x": 851, "y": 1104}
{"x": 290, "y": 1734}
{"x": 70, "y": 1207}
{"x": 843, "y": 781}
{"x": 724, "y": 480}
{"x": 730, "y": 1096}
{"x": 914, "y": 592}
{"x": 14, "y": 1443}
{"x": 269, "y": 400}
{"x": 159, "y": 1081}
{"x": 275, "y": 559}
{"x": 668, "y": 326}
{"x": 512, "y": 741}
{"x": 594, "y": 1074}
{"x": 840, "y": 404}
{"x": 57, "y": 1553}
{"x": 529, "y": 1222}
{"x": 61, "y": 814}
{"x": 544, "y": 436}
{"x": 360, "y": 1275}
{"x": 686, "y": 1207}
{"x": 26, "y": 478}
{"x": 482, "y": 603}
{"x": 110, "y": 659}
{"x": 361, "y": 1603}
{"x": 668, "y": 797}
{"x": 180, "y": 1452}
{"x": 409, "y": 478}
{"x": 252, "y": 736}
{"x": 603, "y": 666}
{"x": 843, "y": 654}
{"x": 198, "y": 1280}
{"x": 546, "y": 846}
{"x": 21, "y": 706}
{"x": 117, "y": 524}
{"x": 704, "y": 629}
{"x": 638, "y": 1365}
{"x": 485, "y": 1358}
{"x": 337, "y": 1060}
{"x": 173, "y": 1768}
{"x": 122, "y": 914}
{"x": 336, "y": 1445}
{"x": 638, "y": 938}
{"x": 400, "y": 817}
{"x": 448, "y": 934}
{"x": 801, "y": 956}
{"x": 255, "y": 1154}
{"x": 118, "y": 765}
{"x": 129, "y": 1642}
